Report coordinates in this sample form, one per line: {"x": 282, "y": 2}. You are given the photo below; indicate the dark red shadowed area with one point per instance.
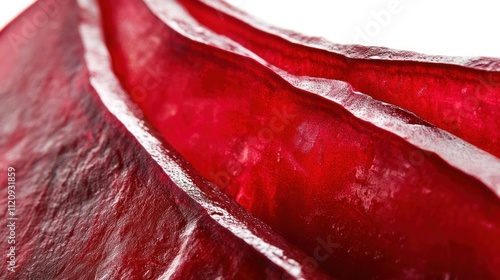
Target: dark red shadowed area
{"x": 91, "y": 202}
{"x": 460, "y": 97}
{"x": 304, "y": 165}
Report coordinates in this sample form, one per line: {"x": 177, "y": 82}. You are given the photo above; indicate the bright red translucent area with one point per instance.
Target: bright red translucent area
{"x": 91, "y": 203}
{"x": 304, "y": 165}
{"x": 460, "y": 96}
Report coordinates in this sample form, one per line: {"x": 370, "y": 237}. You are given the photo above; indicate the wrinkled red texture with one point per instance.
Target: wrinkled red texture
{"x": 304, "y": 165}
{"x": 91, "y": 202}
{"x": 462, "y": 97}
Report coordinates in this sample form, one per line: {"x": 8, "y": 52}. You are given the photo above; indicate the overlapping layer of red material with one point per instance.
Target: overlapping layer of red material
{"x": 459, "y": 95}
{"x": 91, "y": 201}
{"x": 304, "y": 165}
{"x": 324, "y": 185}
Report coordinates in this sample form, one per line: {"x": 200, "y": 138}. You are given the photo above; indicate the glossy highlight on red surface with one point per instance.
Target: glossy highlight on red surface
{"x": 95, "y": 200}
{"x": 305, "y": 166}
{"x": 459, "y": 95}
{"x": 149, "y": 147}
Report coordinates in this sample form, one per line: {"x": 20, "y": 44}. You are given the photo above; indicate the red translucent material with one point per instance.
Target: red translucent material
{"x": 459, "y": 95}
{"x": 92, "y": 201}
{"x": 305, "y": 165}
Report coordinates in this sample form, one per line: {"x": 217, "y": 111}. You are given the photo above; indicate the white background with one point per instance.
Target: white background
{"x": 445, "y": 27}
{"x": 10, "y": 8}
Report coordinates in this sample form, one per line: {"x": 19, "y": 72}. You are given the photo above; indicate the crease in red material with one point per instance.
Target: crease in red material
{"x": 459, "y": 95}
{"x": 99, "y": 194}
{"x": 305, "y": 165}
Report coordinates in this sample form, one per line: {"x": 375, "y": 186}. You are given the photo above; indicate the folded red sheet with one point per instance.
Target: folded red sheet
{"x": 147, "y": 146}
{"x": 99, "y": 194}
{"x": 460, "y": 95}
{"x": 305, "y": 165}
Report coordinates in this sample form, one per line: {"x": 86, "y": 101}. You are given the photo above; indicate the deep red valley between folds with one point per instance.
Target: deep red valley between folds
{"x": 92, "y": 203}
{"x": 147, "y": 147}
{"x": 303, "y": 165}
{"x": 459, "y": 95}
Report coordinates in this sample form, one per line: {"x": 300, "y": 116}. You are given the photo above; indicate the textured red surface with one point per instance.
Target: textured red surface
{"x": 459, "y": 95}
{"x": 329, "y": 180}
{"x": 305, "y": 165}
{"x": 92, "y": 203}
